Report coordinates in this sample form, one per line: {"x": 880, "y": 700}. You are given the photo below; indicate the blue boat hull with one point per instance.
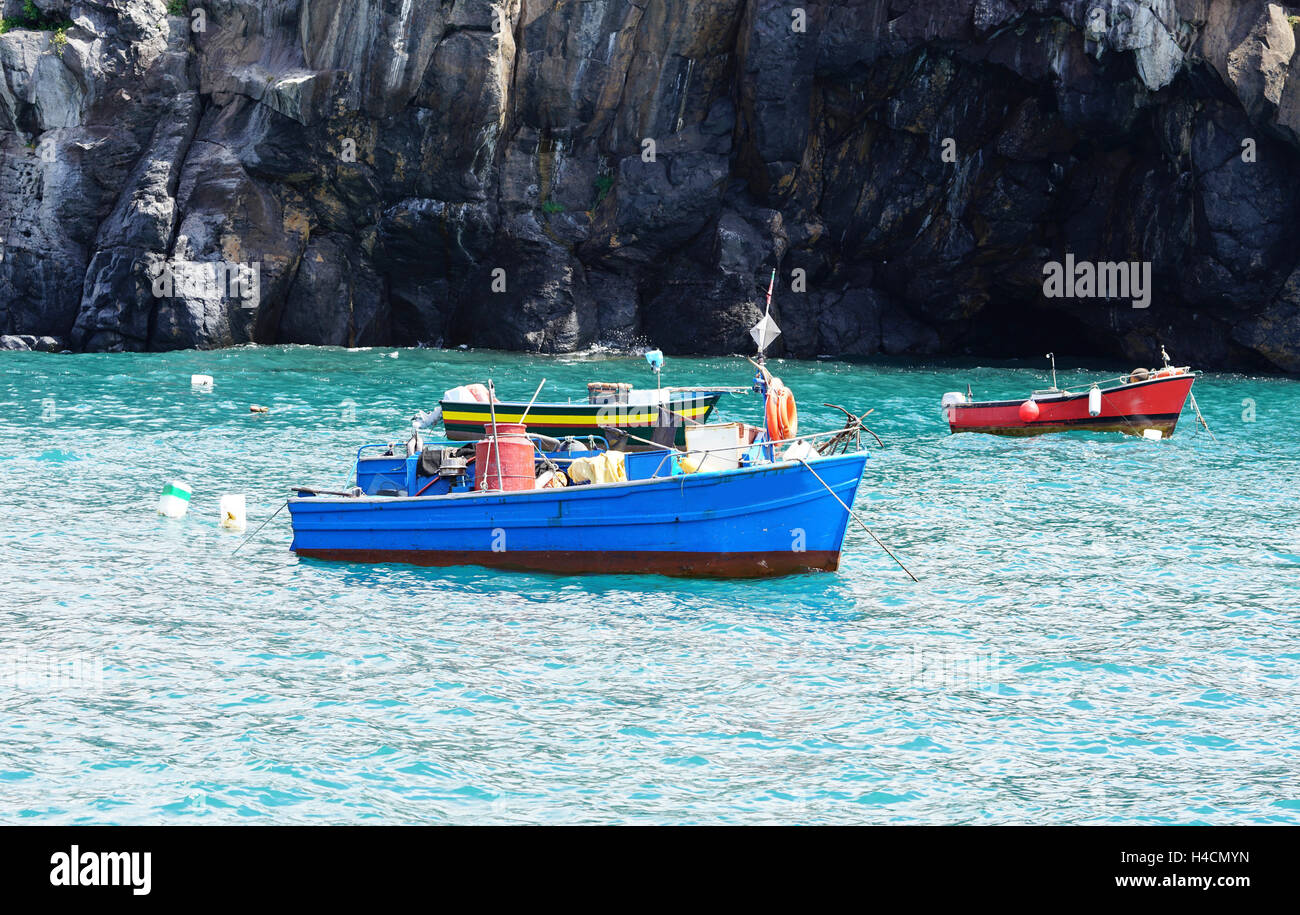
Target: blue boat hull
{"x": 772, "y": 519}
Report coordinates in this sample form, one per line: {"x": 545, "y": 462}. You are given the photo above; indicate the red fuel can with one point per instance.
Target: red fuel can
{"x": 504, "y": 462}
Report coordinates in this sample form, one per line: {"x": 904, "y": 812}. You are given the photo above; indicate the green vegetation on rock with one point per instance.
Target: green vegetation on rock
{"x": 33, "y": 18}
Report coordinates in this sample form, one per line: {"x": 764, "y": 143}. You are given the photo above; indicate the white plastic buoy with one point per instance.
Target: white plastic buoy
{"x": 201, "y": 382}
{"x": 951, "y": 399}
{"x": 1094, "y": 401}
{"x": 1152, "y": 435}
{"x": 234, "y": 514}
{"x": 175, "y": 500}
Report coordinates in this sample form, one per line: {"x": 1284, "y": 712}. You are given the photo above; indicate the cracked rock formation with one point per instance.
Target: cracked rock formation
{"x": 548, "y": 174}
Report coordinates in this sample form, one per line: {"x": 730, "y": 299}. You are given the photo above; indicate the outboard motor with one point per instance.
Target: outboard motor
{"x": 447, "y": 463}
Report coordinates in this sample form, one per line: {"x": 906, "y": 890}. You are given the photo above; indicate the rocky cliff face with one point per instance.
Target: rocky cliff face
{"x": 546, "y": 174}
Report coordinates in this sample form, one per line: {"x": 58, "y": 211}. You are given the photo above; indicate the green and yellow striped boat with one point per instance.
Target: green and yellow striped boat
{"x": 675, "y": 407}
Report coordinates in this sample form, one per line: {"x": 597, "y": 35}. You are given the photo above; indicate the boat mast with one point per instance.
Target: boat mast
{"x": 766, "y": 331}
{"x": 1052, "y": 356}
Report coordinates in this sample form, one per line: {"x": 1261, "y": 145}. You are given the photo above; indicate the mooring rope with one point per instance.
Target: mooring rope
{"x": 861, "y": 523}
{"x": 250, "y": 537}
{"x": 1200, "y": 417}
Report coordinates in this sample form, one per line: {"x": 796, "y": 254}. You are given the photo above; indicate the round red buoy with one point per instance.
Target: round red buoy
{"x": 1028, "y": 411}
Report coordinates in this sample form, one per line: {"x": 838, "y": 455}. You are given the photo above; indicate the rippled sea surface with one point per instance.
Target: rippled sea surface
{"x": 1106, "y": 629}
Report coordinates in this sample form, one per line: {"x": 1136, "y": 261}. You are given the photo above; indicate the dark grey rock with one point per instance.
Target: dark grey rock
{"x": 29, "y": 343}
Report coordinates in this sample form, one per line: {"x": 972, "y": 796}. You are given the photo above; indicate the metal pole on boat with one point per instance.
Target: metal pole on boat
{"x": 523, "y": 419}
{"x": 1052, "y": 356}
{"x": 494, "y": 443}
{"x": 861, "y": 523}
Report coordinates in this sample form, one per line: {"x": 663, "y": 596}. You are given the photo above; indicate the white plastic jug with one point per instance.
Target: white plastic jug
{"x": 175, "y": 500}
{"x": 234, "y": 513}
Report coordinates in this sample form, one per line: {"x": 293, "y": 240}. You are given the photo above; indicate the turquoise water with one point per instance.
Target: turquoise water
{"x": 1105, "y": 630}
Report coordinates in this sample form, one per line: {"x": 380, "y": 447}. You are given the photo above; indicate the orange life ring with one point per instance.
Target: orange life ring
{"x": 782, "y": 414}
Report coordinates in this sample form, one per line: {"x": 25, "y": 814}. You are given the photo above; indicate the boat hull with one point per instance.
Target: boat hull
{"x": 773, "y": 519}
{"x": 1128, "y": 408}
{"x": 464, "y": 421}
{"x": 577, "y": 562}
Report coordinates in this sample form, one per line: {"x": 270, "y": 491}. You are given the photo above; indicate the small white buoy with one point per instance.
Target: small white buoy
{"x": 1152, "y": 435}
{"x": 234, "y": 514}
{"x": 175, "y": 500}
{"x": 1094, "y": 401}
{"x": 201, "y": 382}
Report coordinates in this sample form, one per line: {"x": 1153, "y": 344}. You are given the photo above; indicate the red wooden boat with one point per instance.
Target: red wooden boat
{"x": 1135, "y": 403}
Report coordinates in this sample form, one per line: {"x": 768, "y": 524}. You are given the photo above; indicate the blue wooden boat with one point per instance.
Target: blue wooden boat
{"x": 748, "y": 502}
{"x": 771, "y": 517}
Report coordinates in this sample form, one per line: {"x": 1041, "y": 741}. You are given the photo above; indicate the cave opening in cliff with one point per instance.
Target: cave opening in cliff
{"x": 1018, "y": 329}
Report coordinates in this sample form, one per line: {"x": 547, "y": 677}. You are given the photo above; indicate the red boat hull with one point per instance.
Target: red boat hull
{"x": 1129, "y": 408}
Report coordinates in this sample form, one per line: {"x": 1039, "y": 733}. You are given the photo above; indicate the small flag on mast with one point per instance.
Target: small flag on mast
{"x": 766, "y": 331}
